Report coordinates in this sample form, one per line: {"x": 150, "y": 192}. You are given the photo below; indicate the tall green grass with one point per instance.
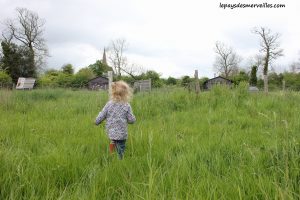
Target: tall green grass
{"x": 223, "y": 144}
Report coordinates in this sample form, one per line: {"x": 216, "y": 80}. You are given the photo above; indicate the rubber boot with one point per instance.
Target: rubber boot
{"x": 112, "y": 147}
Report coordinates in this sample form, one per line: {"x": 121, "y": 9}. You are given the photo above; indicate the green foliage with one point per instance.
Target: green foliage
{"x": 185, "y": 81}
{"x": 201, "y": 82}
{"x": 171, "y": 81}
{"x": 185, "y": 146}
{"x": 260, "y": 83}
{"x": 52, "y": 72}
{"x": 128, "y": 79}
{"x": 241, "y": 93}
{"x": 82, "y": 77}
{"x": 253, "y": 77}
{"x": 156, "y": 82}
{"x": 240, "y": 77}
{"x": 5, "y": 79}
{"x": 275, "y": 81}
{"x": 49, "y": 79}
{"x": 68, "y": 69}
{"x": 99, "y": 68}
{"x": 292, "y": 81}
{"x": 17, "y": 60}
{"x": 54, "y": 78}
{"x": 65, "y": 80}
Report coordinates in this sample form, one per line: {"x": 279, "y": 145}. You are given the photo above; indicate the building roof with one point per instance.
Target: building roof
{"x": 216, "y": 78}
{"x": 98, "y": 77}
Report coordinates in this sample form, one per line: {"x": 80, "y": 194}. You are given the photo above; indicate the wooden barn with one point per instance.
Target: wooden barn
{"x": 98, "y": 83}
{"x": 219, "y": 80}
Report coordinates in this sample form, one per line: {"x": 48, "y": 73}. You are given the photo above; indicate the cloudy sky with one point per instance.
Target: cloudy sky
{"x": 173, "y": 37}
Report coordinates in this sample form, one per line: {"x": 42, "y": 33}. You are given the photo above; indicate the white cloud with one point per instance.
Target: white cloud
{"x": 79, "y": 55}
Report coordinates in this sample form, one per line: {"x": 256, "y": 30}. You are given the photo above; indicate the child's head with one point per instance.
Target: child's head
{"x": 120, "y": 91}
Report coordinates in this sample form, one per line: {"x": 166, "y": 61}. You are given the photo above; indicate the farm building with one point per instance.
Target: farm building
{"x": 25, "y": 83}
{"x": 101, "y": 82}
{"x": 208, "y": 84}
{"x": 98, "y": 83}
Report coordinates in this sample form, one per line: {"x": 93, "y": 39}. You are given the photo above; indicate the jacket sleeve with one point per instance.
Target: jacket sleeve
{"x": 102, "y": 115}
{"x": 130, "y": 116}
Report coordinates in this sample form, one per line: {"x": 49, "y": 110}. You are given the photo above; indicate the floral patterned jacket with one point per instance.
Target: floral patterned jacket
{"x": 117, "y": 115}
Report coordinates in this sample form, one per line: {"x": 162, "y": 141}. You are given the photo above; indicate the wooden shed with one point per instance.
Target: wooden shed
{"x": 219, "y": 80}
{"x": 98, "y": 83}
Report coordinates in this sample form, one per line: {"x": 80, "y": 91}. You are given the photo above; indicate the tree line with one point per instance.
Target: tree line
{"x": 24, "y": 50}
{"x": 227, "y": 63}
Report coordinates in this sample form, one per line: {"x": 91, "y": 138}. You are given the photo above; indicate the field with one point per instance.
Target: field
{"x": 223, "y": 144}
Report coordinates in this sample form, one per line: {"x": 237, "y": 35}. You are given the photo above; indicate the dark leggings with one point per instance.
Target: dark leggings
{"x": 120, "y": 147}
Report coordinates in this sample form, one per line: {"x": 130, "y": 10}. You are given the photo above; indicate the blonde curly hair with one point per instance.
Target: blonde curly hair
{"x": 120, "y": 92}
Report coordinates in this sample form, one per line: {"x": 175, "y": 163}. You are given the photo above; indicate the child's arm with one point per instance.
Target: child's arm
{"x": 130, "y": 116}
{"x": 102, "y": 115}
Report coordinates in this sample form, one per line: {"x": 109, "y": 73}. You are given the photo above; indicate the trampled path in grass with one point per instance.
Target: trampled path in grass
{"x": 223, "y": 144}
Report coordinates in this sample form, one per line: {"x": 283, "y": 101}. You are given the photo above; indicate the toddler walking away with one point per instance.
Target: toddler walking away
{"x": 118, "y": 114}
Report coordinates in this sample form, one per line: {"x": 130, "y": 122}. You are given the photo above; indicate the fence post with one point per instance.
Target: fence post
{"x": 266, "y": 85}
{"x": 283, "y": 85}
{"x": 110, "y": 78}
{"x": 197, "y": 87}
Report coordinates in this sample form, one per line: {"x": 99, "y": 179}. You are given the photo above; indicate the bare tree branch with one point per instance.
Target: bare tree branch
{"x": 27, "y": 30}
{"x": 270, "y": 46}
{"x": 116, "y": 55}
{"x": 227, "y": 60}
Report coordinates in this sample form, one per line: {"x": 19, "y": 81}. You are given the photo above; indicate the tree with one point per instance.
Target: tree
{"x": 133, "y": 70}
{"x": 202, "y": 80}
{"x": 242, "y": 76}
{"x": 5, "y": 79}
{"x": 253, "y": 77}
{"x": 156, "y": 82}
{"x": 27, "y": 29}
{"x": 68, "y": 69}
{"x": 185, "y": 81}
{"x": 256, "y": 60}
{"x": 295, "y": 67}
{"x": 292, "y": 80}
{"x": 171, "y": 81}
{"x": 49, "y": 78}
{"x": 52, "y": 72}
{"x": 11, "y": 60}
{"x": 82, "y": 77}
{"x": 270, "y": 48}
{"x": 275, "y": 80}
{"x": 226, "y": 60}
{"x": 116, "y": 55}
{"x": 99, "y": 68}
{"x": 15, "y": 60}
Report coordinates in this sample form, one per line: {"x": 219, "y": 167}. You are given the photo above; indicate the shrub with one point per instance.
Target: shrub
{"x": 5, "y": 79}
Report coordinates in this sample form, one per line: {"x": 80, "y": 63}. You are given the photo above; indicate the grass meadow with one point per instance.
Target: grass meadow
{"x": 223, "y": 144}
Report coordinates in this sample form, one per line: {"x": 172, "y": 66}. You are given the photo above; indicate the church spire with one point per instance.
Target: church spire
{"x": 104, "y": 58}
